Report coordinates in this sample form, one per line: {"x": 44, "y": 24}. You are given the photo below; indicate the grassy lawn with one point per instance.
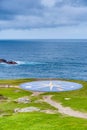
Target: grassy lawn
{"x": 12, "y": 94}
{"x": 15, "y": 81}
{"x": 78, "y": 98}
{"x": 38, "y": 120}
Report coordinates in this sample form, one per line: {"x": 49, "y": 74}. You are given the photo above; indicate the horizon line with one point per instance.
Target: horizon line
{"x": 46, "y": 39}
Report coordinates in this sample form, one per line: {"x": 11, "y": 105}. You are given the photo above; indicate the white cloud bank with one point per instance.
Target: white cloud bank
{"x": 43, "y": 15}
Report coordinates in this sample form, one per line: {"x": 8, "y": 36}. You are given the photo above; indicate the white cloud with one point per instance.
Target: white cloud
{"x": 48, "y": 33}
{"x": 59, "y": 15}
{"x": 48, "y": 3}
{"x": 36, "y": 16}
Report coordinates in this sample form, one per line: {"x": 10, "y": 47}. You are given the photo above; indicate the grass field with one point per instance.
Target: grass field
{"x": 40, "y": 120}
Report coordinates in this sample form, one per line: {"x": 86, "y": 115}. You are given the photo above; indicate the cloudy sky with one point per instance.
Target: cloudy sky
{"x": 43, "y": 19}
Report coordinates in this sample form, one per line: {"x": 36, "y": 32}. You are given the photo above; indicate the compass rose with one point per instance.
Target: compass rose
{"x": 51, "y": 85}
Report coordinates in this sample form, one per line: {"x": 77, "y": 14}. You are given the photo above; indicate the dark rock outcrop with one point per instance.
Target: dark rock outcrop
{"x": 7, "y": 62}
{"x": 3, "y": 61}
{"x": 11, "y": 62}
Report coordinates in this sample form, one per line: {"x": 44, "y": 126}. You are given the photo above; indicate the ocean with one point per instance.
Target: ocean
{"x": 44, "y": 59}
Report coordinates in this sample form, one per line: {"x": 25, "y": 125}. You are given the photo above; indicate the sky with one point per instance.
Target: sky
{"x": 43, "y": 19}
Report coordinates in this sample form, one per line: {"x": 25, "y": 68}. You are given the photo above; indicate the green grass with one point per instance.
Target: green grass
{"x": 8, "y": 107}
{"x": 78, "y": 98}
{"x": 15, "y": 81}
{"x": 38, "y": 120}
{"x": 11, "y": 93}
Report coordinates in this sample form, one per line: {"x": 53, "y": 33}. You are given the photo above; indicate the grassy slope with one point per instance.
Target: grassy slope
{"x": 41, "y": 121}
{"x": 78, "y": 98}
{"x": 15, "y": 81}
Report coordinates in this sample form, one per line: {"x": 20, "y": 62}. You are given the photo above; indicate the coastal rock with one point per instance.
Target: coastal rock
{"x": 11, "y": 62}
{"x": 23, "y": 100}
{"x": 27, "y": 109}
{"x": 3, "y": 61}
{"x": 7, "y": 62}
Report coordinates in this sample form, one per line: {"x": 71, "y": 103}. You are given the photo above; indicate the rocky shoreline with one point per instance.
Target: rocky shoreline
{"x": 7, "y": 62}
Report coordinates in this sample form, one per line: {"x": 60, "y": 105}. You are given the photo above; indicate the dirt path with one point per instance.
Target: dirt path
{"x": 61, "y": 109}
{"x": 8, "y": 86}
{"x": 64, "y": 110}
{"x": 36, "y": 93}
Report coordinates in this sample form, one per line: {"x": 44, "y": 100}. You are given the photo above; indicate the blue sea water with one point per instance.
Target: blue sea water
{"x": 44, "y": 59}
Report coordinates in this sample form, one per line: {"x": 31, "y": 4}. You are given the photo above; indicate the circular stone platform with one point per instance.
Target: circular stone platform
{"x": 50, "y": 86}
